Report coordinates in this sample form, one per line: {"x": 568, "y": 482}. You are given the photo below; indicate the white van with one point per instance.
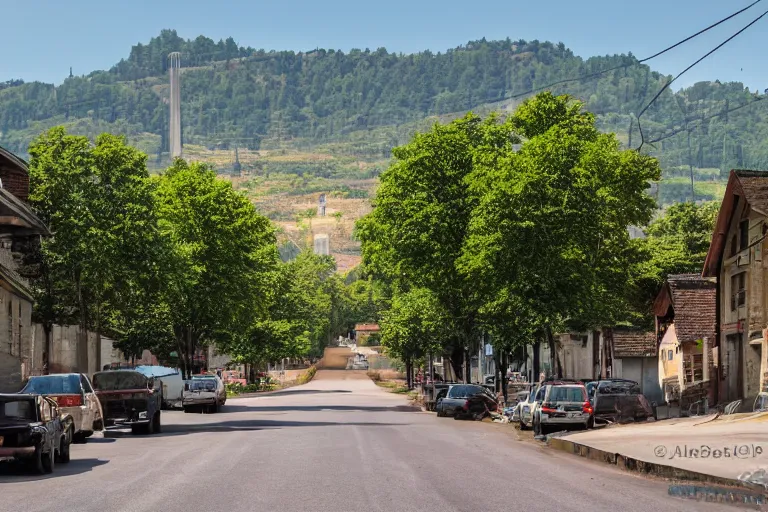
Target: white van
{"x": 171, "y": 381}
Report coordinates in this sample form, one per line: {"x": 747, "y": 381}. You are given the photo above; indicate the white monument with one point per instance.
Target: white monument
{"x": 323, "y": 245}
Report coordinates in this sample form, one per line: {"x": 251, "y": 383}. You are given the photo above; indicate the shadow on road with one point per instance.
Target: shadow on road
{"x": 99, "y": 440}
{"x": 244, "y": 426}
{"x": 319, "y": 408}
{"x": 14, "y": 471}
{"x": 308, "y": 392}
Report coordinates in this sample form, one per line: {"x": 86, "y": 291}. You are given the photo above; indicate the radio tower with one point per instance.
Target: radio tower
{"x": 174, "y": 61}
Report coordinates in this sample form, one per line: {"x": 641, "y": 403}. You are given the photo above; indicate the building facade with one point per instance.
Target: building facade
{"x": 735, "y": 260}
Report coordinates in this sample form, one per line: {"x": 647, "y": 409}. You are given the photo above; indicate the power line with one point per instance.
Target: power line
{"x": 666, "y": 86}
{"x": 636, "y": 62}
{"x": 703, "y": 119}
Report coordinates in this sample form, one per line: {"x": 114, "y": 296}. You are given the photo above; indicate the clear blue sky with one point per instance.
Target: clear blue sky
{"x": 43, "y": 38}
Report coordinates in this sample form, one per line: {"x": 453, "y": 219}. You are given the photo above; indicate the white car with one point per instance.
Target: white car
{"x": 523, "y": 412}
{"x": 75, "y": 397}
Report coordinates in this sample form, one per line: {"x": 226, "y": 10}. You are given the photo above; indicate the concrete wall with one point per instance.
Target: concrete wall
{"x": 17, "y": 354}
{"x": 576, "y": 357}
{"x": 10, "y": 373}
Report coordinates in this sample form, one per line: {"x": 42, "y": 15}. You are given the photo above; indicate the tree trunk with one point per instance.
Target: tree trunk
{"x": 47, "y": 357}
{"x": 497, "y": 365}
{"x": 554, "y": 360}
{"x": 536, "y": 363}
{"x": 408, "y": 373}
{"x": 82, "y": 342}
{"x": 467, "y": 366}
{"x": 504, "y": 381}
{"x": 457, "y": 361}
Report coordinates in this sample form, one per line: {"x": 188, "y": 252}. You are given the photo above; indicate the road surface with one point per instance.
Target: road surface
{"x": 340, "y": 444}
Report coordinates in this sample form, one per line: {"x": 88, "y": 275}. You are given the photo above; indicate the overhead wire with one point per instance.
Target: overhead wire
{"x": 636, "y": 62}
{"x": 666, "y": 86}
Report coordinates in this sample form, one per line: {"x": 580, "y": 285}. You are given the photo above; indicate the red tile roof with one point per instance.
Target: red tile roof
{"x": 634, "y": 344}
{"x": 694, "y": 305}
{"x": 367, "y": 328}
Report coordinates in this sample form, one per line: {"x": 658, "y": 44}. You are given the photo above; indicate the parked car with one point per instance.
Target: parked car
{"x": 33, "y": 430}
{"x": 617, "y": 401}
{"x": 561, "y": 405}
{"x": 171, "y": 382}
{"x": 464, "y": 400}
{"x": 75, "y": 397}
{"x": 221, "y": 390}
{"x": 129, "y": 398}
{"x": 201, "y": 394}
{"x": 525, "y": 408}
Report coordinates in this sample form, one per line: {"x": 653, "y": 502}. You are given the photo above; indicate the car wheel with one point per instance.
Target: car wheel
{"x": 591, "y": 422}
{"x": 137, "y": 429}
{"x": 98, "y": 424}
{"x": 79, "y": 438}
{"x": 536, "y": 427}
{"x": 149, "y": 428}
{"x": 64, "y": 455}
{"x": 156, "y": 423}
{"x": 48, "y": 460}
{"x": 523, "y": 426}
{"x": 36, "y": 462}
{"x": 187, "y": 410}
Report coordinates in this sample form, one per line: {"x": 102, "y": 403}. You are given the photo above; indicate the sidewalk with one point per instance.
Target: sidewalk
{"x": 726, "y": 450}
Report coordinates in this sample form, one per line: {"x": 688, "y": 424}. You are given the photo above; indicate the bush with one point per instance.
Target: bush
{"x": 375, "y": 376}
{"x": 308, "y": 376}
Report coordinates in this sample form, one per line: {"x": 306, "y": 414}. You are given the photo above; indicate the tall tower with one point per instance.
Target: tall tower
{"x": 174, "y": 66}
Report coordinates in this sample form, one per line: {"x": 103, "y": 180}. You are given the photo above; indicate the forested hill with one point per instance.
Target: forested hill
{"x": 369, "y": 99}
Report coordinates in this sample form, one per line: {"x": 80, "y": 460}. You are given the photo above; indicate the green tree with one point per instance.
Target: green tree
{"x": 676, "y": 243}
{"x": 548, "y": 237}
{"x": 415, "y": 326}
{"x": 98, "y": 201}
{"x": 223, "y": 253}
{"x": 416, "y": 232}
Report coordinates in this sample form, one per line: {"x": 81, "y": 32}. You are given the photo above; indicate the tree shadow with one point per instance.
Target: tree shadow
{"x": 307, "y": 392}
{"x": 17, "y": 471}
{"x": 319, "y": 408}
{"x": 243, "y": 426}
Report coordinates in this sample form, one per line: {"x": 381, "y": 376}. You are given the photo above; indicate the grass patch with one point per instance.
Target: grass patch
{"x": 392, "y": 386}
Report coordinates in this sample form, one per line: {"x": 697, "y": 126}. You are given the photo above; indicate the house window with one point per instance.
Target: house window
{"x": 670, "y": 355}
{"x": 734, "y": 246}
{"x": 743, "y": 235}
{"x": 738, "y": 290}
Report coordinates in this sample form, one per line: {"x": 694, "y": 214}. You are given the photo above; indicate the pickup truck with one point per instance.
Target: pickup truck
{"x": 130, "y": 398}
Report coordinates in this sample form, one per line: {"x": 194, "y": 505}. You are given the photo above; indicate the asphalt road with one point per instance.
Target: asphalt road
{"x": 337, "y": 444}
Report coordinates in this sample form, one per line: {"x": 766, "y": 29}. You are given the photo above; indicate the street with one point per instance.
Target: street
{"x": 339, "y": 443}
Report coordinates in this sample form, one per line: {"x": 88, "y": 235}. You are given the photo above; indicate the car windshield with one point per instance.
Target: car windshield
{"x": 202, "y": 385}
{"x": 13, "y": 411}
{"x": 110, "y": 381}
{"x": 568, "y": 394}
{"x": 464, "y": 391}
{"x": 53, "y": 385}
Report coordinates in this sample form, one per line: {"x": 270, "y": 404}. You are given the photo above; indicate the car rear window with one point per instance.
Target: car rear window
{"x": 567, "y": 394}
{"x": 464, "y": 391}
{"x": 202, "y": 385}
{"x": 110, "y": 381}
{"x": 12, "y": 411}
{"x": 619, "y": 388}
{"x": 53, "y": 385}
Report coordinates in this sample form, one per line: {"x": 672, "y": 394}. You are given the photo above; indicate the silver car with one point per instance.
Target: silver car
{"x": 205, "y": 393}
{"x": 561, "y": 406}
{"x": 75, "y": 397}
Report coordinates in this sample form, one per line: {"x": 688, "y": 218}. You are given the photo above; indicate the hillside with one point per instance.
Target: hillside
{"x": 325, "y": 121}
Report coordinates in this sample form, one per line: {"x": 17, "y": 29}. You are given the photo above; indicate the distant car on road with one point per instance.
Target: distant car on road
{"x": 201, "y": 394}
{"x": 33, "y": 430}
{"x": 129, "y": 398}
{"x": 561, "y": 406}
{"x": 221, "y": 389}
{"x": 75, "y": 397}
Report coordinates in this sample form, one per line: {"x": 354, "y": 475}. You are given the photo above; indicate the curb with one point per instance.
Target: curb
{"x": 641, "y": 466}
